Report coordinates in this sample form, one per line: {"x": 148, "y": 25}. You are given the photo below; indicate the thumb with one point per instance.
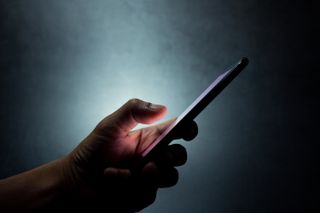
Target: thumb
{"x": 136, "y": 111}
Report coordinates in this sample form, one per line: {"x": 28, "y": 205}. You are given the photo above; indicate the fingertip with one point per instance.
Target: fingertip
{"x": 187, "y": 131}
{"x": 150, "y": 173}
{"x": 175, "y": 155}
{"x": 146, "y": 112}
{"x": 150, "y": 168}
{"x": 156, "y": 107}
{"x": 169, "y": 177}
{"x": 157, "y": 111}
{"x": 192, "y": 131}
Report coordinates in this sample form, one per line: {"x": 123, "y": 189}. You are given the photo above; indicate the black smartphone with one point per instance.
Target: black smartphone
{"x": 193, "y": 110}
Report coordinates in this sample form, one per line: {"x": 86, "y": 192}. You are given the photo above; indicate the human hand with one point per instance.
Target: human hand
{"x": 98, "y": 170}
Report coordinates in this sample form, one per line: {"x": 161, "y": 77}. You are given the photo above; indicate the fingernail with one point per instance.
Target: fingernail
{"x": 155, "y": 106}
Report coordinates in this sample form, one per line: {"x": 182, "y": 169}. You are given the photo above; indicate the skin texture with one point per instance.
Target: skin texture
{"x": 96, "y": 174}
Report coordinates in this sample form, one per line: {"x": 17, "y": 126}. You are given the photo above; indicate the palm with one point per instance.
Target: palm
{"x": 126, "y": 145}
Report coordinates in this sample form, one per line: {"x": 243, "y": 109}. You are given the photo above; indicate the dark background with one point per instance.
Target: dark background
{"x": 67, "y": 64}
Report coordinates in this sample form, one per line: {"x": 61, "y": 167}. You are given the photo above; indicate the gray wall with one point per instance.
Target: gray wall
{"x": 67, "y": 64}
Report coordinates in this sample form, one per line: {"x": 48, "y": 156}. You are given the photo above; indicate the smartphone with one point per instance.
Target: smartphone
{"x": 193, "y": 110}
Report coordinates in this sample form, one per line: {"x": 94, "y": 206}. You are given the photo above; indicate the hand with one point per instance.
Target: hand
{"x": 98, "y": 170}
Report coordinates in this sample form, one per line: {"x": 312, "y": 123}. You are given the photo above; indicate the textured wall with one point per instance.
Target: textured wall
{"x": 67, "y": 64}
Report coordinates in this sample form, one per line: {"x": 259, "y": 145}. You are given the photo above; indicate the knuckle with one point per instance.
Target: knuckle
{"x": 134, "y": 101}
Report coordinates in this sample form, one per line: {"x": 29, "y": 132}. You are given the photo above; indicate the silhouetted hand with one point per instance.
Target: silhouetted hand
{"x": 97, "y": 172}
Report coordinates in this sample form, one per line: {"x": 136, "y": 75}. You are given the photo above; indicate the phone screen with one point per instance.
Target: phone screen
{"x": 198, "y": 105}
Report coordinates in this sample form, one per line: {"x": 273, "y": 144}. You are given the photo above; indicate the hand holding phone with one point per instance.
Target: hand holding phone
{"x": 192, "y": 111}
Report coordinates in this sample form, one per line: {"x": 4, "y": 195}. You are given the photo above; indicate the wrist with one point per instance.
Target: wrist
{"x": 51, "y": 185}
{"x": 75, "y": 189}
